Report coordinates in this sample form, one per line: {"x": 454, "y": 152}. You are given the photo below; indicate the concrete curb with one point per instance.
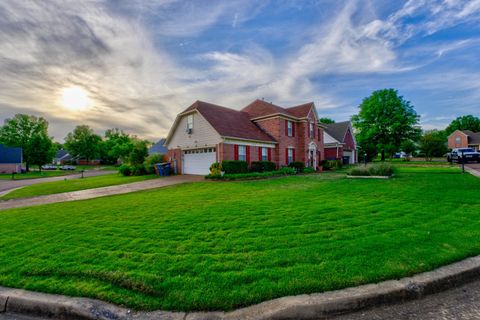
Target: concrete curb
{"x": 312, "y": 306}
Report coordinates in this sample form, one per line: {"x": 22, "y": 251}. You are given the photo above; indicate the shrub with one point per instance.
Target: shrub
{"x": 262, "y": 166}
{"x": 234, "y": 166}
{"x": 287, "y": 170}
{"x": 297, "y": 165}
{"x": 216, "y": 168}
{"x": 381, "y": 169}
{"x": 125, "y": 170}
{"x": 308, "y": 170}
{"x": 153, "y": 159}
{"x": 332, "y": 164}
{"x": 138, "y": 170}
{"x": 252, "y": 175}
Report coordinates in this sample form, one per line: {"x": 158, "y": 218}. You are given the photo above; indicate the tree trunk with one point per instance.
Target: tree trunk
{"x": 383, "y": 154}
{"x": 27, "y": 167}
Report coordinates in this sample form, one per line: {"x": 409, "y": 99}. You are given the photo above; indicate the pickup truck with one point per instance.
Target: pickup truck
{"x": 468, "y": 153}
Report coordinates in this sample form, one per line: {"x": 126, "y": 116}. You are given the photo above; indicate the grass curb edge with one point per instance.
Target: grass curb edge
{"x": 308, "y": 306}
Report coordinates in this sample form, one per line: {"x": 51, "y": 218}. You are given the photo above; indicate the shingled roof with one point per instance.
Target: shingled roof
{"x": 337, "y": 130}
{"x": 473, "y": 137}
{"x": 229, "y": 122}
{"x": 261, "y": 108}
{"x": 10, "y": 154}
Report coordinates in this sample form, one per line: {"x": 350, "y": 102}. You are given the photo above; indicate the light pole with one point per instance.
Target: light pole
{"x": 365, "y": 158}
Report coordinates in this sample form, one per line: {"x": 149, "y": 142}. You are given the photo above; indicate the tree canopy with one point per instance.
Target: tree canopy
{"x": 384, "y": 121}
{"x": 117, "y": 145}
{"x": 433, "y": 144}
{"x": 326, "y": 120}
{"x": 31, "y": 134}
{"x": 468, "y": 122}
{"x": 83, "y": 143}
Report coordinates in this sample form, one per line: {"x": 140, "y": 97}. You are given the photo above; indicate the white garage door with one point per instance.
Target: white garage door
{"x": 198, "y": 161}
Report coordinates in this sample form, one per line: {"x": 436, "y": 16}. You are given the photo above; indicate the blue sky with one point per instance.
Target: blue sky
{"x": 138, "y": 63}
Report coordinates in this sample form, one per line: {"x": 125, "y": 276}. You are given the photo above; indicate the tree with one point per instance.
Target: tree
{"x": 327, "y": 120}
{"x": 83, "y": 143}
{"x": 432, "y": 144}
{"x": 385, "y": 120}
{"x": 117, "y": 145}
{"x": 409, "y": 147}
{"x": 139, "y": 152}
{"x": 31, "y": 134}
{"x": 464, "y": 123}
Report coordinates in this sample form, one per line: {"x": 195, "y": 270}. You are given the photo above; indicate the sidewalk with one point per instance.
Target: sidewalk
{"x": 99, "y": 192}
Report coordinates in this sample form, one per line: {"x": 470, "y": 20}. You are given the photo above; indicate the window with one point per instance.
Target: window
{"x": 458, "y": 141}
{"x": 189, "y": 123}
{"x": 290, "y": 155}
{"x": 312, "y": 132}
{"x": 242, "y": 153}
{"x": 264, "y": 154}
{"x": 290, "y": 128}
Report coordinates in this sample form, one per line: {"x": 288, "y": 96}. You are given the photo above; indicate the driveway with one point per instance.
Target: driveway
{"x": 8, "y": 185}
{"x": 474, "y": 168}
{"x": 99, "y": 192}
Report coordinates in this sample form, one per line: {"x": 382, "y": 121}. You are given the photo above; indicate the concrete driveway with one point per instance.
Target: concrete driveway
{"x": 474, "y": 168}
{"x": 8, "y": 185}
{"x": 99, "y": 192}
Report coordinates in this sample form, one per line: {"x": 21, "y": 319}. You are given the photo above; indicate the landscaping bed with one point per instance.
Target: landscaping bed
{"x": 210, "y": 246}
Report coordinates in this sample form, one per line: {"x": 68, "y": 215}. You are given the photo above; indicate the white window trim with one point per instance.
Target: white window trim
{"x": 190, "y": 122}
{"x": 242, "y": 149}
{"x": 290, "y": 155}
{"x": 264, "y": 154}
{"x": 289, "y": 128}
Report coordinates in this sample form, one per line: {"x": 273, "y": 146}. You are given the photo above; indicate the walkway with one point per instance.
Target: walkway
{"x": 9, "y": 185}
{"x": 99, "y": 192}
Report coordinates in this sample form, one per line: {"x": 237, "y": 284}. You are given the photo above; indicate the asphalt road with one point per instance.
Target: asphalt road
{"x": 7, "y": 185}
{"x": 462, "y": 303}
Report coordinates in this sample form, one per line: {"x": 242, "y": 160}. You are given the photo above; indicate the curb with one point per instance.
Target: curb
{"x": 311, "y": 306}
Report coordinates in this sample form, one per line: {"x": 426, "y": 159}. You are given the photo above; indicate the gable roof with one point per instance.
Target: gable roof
{"x": 473, "y": 137}
{"x": 10, "y": 154}
{"x": 260, "y": 108}
{"x": 337, "y": 130}
{"x": 229, "y": 122}
{"x": 158, "y": 147}
{"x": 62, "y": 155}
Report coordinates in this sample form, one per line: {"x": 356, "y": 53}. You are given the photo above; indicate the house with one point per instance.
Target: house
{"x": 205, "y": 133}
{"x": 62, "y": 157}
{"x": 11, "y": 159}
{"x": 158, "y": 148}
{"x": 464, "y": 139}
{"x": 340, "y": 142}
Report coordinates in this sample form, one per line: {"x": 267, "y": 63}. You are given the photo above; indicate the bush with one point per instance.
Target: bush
{"x": 138, "y": 170}
{"x": 151, "y": 160}
{"x": 287, "y": 170}
{"x": 125, "y": 170}
{"x": 216, "y": 168}
{"x": 381, "y": 169}
{"x": 262, "y": 166}
{"x": 252, "y": 175}
{"x": 297, "y": 165}
{"x": 308, "y": 170}
{"x": 234, "y": 166}
{"x": 332, "y": 164}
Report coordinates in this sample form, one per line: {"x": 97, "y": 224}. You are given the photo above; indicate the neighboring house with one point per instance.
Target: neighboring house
{"x": 158, "y": 147}
{"x": 62, "y": 157}
{"x": 340, "y": 142}
{"x": 464, "y": 139}
{"x": 206, "y": 133}
{"x": 11, "y": 159}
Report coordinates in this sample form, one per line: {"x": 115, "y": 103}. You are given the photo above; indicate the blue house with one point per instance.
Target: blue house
{"x": 11, "y": 159}
{"x": 158, "y": 148}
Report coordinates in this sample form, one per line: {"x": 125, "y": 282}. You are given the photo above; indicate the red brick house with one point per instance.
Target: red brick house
{"x": 340, "y": 142}
{"x": 205, "y": 133}
{"x": 464, "y": 139}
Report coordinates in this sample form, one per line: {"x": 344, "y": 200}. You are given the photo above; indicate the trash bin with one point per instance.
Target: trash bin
{"x": 163, "y": 169}
{"x": 345, "y": 160}
{"x": 167, "y": 167}
{"x": 159, "y": 169}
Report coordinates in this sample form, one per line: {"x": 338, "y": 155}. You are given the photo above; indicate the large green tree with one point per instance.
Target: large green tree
{"x": 468, "y": 122}
{"x": 384, "y": 121}
{"x": 433, "y": 144}
{"x": 31, "y": 134}
{"x": 326, "y": 120}
{"x": 83, "y": 143}
{"x": 117, "y": 145}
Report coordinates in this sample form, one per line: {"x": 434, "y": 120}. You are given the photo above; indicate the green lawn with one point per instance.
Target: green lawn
{"x": 36, "y": 174}
{"x": 222, "y": 245}
{"x": 41, "y": 189}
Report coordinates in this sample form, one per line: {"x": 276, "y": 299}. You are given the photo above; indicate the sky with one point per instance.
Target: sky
{"x": 135, "y": 64}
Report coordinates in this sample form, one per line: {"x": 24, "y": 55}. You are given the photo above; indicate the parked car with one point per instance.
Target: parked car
{"x": 68, "y": 167}
{"x": 460, "y": 154}
{"x": 49, "y": 167}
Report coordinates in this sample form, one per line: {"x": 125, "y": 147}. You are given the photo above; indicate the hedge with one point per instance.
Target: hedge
{"x": 252, "y": 175}
{"x": 262, "y": 166}
{"x": 234, "y": 166}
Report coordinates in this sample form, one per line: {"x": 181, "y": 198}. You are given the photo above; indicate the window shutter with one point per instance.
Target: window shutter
{"x": 286, "y": 156}
{"x": 259, "y": 153}
{"x": 293, "y": 129}
{"x": 286, "y": 127}
{"x": 318, "y": 132}
{"x": 313, "y": 131}
{"x": 235, "y": 152}
{"x": 293, "y": 154}
{"x": 247, "y": 150}
{"x": 269, "y": 154}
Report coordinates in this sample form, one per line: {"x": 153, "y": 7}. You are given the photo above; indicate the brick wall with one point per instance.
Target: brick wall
{"x": 175, "y": 154}
{"x": 331, "y": 153}
{"x": 452, "y": 140}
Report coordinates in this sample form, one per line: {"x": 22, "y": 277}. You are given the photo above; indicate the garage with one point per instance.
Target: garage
{"x": 198, "y": 161}
{"x": 348, "y": 157}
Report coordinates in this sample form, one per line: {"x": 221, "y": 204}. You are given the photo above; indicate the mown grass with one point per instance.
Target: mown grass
{"x": 35, "y": 174}
{"x": 222, "y": 245}
{"x": 45, "y": 188}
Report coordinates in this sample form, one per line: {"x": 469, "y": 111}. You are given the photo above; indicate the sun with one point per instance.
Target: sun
{"x": 74, "y": 98}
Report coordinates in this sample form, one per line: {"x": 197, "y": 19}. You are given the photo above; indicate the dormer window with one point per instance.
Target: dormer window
{"x": 190, "y": 123}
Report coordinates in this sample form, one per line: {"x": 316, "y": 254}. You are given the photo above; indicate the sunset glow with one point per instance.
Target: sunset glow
{"x": 74, "y": 98}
